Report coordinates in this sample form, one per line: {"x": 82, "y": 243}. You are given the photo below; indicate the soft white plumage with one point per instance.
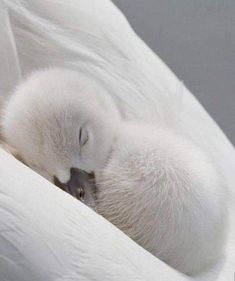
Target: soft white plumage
{"x": 165, "y": 194}
{"x": 94, "y": 38}
{"x": 158, "y": 188}
{"x": 46, "y": 234}
{"x": 47, "y": 114}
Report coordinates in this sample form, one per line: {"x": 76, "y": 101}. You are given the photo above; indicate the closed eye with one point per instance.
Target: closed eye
{"x": 83, "y": 137}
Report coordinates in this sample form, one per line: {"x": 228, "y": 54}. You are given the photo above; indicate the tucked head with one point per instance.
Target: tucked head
{"x": 58, "y": 120}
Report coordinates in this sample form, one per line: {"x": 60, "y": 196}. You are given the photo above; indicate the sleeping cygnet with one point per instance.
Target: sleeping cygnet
{"x": 158, "y": 188}
{"x": 63, "y": 126}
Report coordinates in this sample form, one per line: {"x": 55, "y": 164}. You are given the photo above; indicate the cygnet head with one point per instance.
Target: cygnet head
{"x": 59, "y": 119}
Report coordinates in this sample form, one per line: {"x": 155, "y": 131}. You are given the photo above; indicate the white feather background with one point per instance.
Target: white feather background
{"x": 93, "y": 37}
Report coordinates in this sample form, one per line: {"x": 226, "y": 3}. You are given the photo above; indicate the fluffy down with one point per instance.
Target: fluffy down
{"x": 160, "y": 189}
{"x": 164, "y": 193}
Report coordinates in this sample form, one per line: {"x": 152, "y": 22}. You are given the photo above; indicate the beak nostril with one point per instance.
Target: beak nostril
{"x": 77, "y": 184}
{"x": 80, "y": 193}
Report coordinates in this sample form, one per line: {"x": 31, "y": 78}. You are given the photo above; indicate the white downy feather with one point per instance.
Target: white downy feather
{"x": 95, "y": 39}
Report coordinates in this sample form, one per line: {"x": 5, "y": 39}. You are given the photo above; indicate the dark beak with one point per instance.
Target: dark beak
{"x": 80, "y": 182}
